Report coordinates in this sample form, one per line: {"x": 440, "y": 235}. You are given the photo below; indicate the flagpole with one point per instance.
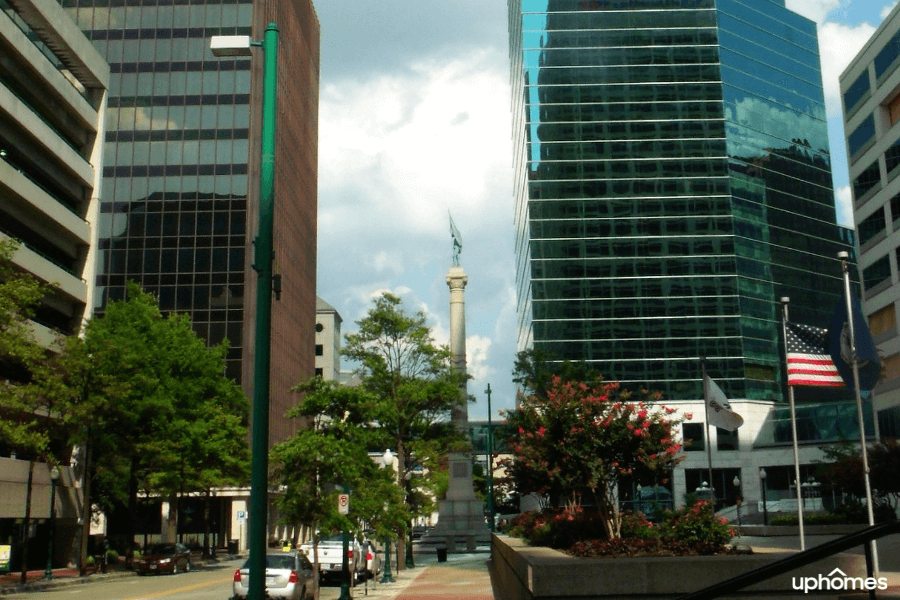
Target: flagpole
{"x": 708, "y": 437}
{"x": 784, "y": 321}
{"x": 844, "y": 256}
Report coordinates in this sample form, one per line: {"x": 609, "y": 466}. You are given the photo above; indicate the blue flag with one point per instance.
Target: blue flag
{"x": 868, "y": 362}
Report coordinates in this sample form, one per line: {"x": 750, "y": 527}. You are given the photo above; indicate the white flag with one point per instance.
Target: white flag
{"x": 718, "y": 408}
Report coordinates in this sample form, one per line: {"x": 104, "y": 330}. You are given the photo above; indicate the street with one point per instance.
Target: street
{"x": 209, "y": 582}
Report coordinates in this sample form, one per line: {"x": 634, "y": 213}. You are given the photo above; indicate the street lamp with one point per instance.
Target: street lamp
{"x": 490, "y": 463}
{"x": 386, "y": 576}
{"x": 410, "y": 564}
{"x": 762, "y": 479}
{"x": 737, "y": 499}
{"x": 639, "y": 502}
{"x": 54, "y": 477}
{"x": 240, "y": 45}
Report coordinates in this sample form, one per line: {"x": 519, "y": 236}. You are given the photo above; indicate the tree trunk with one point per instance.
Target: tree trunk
{"x": 132, "y": 512}
{"x": 85, "y": 507}
{"x": 26, "y": 522}
{"x": 206, "y": 552}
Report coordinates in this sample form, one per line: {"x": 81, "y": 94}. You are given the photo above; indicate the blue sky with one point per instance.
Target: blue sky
{"x": 414, "y": 121}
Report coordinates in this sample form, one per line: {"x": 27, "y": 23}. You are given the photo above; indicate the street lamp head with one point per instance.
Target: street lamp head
{"x": 54, "y": 473}
{"x": 736, "y": 482}
{"x": 762, "y": 474}
{"x": 388, "y": 458}
{"x": 230, "y": 45}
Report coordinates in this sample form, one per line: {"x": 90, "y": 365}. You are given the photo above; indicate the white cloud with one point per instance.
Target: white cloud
{"x": 838, "y": 44}
{"x": 887, "y": 10}
{"x": 815, "y": 10}
{"x": 398, "y": 150}
{"x": 844, "y": 203}
{"x": 477, "y": 357}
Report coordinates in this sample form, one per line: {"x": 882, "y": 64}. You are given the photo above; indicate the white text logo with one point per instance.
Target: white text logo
{"x": 837, "y": 580}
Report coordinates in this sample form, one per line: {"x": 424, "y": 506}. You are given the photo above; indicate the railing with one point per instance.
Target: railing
{"x": 801, "y": 559}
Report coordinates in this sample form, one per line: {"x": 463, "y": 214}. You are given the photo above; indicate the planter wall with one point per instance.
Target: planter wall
{"x": 528, "y": 573}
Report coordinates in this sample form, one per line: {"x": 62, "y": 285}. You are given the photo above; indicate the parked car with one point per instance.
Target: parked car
{"x": 331, "y": 552}
{"x": 289, "y": 575}
{"x": 164, "y": 558}
{"x": 373, "y": 558}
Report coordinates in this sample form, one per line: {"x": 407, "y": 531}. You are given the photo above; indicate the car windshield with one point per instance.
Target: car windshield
{"x": 276, "y": 561}
{"x": 161, "y": 549}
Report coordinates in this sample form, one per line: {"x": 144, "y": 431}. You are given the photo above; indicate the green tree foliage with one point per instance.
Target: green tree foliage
{"x": 316, "y": 463}
{"x": 156, "y": 409}
{"x": 412, "y": 384}
{"x": 843, "y": 470}
{"x": 21, "y": 359}
{"x": 586, "y": 438}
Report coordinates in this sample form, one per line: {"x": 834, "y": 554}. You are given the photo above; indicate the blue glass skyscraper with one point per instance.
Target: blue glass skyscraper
{"x": 673, "y": 182}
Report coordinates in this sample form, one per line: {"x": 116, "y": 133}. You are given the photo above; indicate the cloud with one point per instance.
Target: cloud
{"x": 477, "y": 355}
{"x": 397, "y": 152}
{"x": 887, "y": 10}
{"x": 815, "y": 10}
{"x": 844, "y": 202}
{"x": 838, "y": 44}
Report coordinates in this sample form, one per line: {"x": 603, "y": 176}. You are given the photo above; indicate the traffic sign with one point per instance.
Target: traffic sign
{"x": 344, "y": 504}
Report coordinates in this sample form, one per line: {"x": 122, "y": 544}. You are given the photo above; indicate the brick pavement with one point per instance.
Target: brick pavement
{"x": 463, "y": 576}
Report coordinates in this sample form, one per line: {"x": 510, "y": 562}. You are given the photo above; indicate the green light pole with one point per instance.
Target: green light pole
{"x": 490, "y": 464}
{"x": 54, "y": 477}
{"x": 259, "y": 432}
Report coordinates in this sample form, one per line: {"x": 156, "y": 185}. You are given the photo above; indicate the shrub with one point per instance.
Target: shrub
{"x": 557, "y": 528}
{"x": 636, "y": 526}
{"x": 697, "y": 529}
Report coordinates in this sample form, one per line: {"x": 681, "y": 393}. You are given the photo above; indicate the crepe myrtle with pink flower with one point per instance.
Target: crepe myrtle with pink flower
{"x": 587, "y": 437}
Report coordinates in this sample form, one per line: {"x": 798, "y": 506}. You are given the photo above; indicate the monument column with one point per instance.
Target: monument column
{"x": 457, "y": 280}
{"x": 461, "y": 514}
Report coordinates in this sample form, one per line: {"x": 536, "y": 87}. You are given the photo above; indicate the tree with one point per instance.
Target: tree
{"x": 155, "y": 408}
{"x": 413, "y": 385}
{"x": 587, "y": 438}
{"x": 844, "y": 471}
{"x": 25, "y": 413}
{"x": 20, "y": 359}
{"x": 330, "y": 455}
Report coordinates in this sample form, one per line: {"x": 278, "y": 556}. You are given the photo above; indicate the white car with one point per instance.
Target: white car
{"x": 373, "y": 559}
{"x": 289, "y": 575}
{"x": 331, "y": 556}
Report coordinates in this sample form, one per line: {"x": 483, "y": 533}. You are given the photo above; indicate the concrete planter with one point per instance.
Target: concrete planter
{"x": 527, "y": 573}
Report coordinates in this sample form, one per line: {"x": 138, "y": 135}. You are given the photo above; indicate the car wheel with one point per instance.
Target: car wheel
{"x": 187, "y": 566}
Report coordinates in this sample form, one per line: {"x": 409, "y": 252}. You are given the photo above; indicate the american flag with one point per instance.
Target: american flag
{"x": 809, "y": 363}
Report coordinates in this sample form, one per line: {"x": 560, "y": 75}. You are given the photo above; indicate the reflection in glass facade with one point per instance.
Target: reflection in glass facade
{"x": 674, "y": 183}
{"x": 174, "y": 196}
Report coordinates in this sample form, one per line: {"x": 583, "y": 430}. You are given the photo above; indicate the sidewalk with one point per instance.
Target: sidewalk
{"x": 462, "y": 576}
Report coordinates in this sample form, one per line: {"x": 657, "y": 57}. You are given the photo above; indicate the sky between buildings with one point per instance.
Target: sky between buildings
{"x": 414, "y": 121}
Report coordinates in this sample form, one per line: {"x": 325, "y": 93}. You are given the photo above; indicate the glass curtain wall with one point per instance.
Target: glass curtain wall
{"x": 666, "y": 196}
{"x": 174, "y": 194}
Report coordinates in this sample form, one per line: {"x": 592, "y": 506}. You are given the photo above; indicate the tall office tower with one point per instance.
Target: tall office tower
{"x": 673, "y": 182}
{"x": 181, "y": 176}
{"x": 870, "y": 86}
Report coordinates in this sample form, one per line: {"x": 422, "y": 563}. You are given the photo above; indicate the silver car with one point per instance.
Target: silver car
{"x": 288, "y": 575}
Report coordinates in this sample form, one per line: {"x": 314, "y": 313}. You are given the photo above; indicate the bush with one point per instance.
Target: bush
{"x": 557, "y": 528}
{"x": 687, "y": 531}
{"x": 696, "y": 529}
{"x": 636, "y": 526}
